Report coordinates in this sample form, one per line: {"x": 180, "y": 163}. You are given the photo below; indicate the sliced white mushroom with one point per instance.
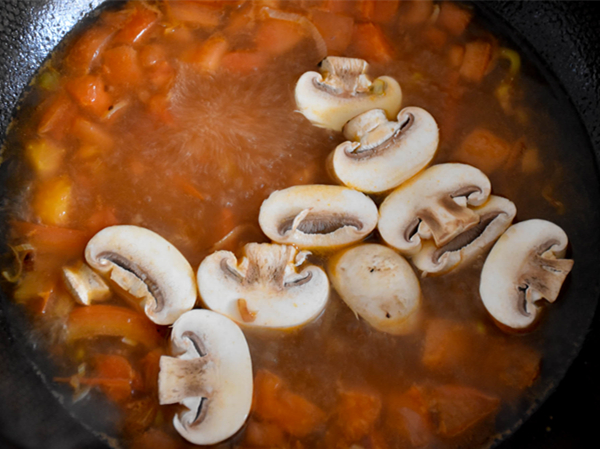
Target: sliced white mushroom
{"x": 84, "y": 284}
{"x": 495, "y": 216}
{"x": 435, "y": 204}
{"x": 265, "y": 288}
{"x": 210, "y": 375}
{"x": 147, "y": 268}
{"x": 317, "y": 216}
{"x": 381, "y": 154}
{"x": 525, "y": 266}
{"x": 378, "y": 285}
{"x": 342, "y": 91}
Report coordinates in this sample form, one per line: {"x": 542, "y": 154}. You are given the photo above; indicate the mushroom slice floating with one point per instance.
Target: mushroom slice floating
{"x": 342, "y": 91}
{"x": 265, "y": 289}
{"x": 436, "y": 204}
{"x": 147, "y": 268}
{"x": 317, "y": 216}
{"x": 211, "y": 376}
{"x": 379, "y": 285}
{"x": 380, "y": 154}
{"x": 495, "y": 216}
{"x": 84, "y": 284}
{"x": 525, "y": 266}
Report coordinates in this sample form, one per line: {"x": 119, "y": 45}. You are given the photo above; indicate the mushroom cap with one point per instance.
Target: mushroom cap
{"x": 342, "y": 91}
{"x": 146, "y": 267}
{"x": 495, "y": 216}
{"x": 317, "y": 216}
{"x": 379, "y": 154}
{"x": 433, "y": 204}
{"x": 525, "y": 265}
{"x": 211, "y": 376}
{"x": 275, "y": 293}
{"x": 379, "y": 285}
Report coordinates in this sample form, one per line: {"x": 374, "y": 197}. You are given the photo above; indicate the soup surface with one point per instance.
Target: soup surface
{"x": 180, "y": 117}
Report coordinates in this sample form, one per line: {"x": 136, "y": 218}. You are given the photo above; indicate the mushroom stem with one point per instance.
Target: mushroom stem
{"x": 182, "y": 378}
{"x": 546, "y": 275}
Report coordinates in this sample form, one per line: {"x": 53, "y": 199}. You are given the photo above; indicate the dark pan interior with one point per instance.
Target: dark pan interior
{"x": 562, "y": 35}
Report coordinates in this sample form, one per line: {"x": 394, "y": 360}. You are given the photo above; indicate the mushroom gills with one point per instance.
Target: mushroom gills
{"x": 271, "y": 286}
{"x": 317, "y": 217}
{"x": 322, "y": 223}
{"x": 132, "y": 279}
{"x": 491, "y": 220}
{"x": 467, "y": 237}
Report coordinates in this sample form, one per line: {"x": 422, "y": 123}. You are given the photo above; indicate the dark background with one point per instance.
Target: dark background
{"x": 564, "y": 34}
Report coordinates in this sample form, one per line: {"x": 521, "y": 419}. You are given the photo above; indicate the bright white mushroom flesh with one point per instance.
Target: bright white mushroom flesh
{"x": 317, "y": 216}
{"x": 210, "y": 375}
{"x": 265, "y": 288}
{"x": 378, "y": 285}
{"x": 436, "y": 204}
{"x": 342, "y": 91}
{"x": 381, "y": 154}
{"x": 85, "y": 285}
{"x": 525, "y": 266}
{"x": 146, "y": 268}
{"x": 495, "y": 216}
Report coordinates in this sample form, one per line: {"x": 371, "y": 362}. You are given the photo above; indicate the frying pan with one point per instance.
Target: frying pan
{"x": 560, "y": 36}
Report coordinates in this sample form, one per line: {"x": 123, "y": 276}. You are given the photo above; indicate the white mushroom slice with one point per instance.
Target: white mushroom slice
{"x": 434, "y": 204}
{"x": 525, "y": 266}
{"x": 317, "y": 216}
{"x": 211, "y": 376}
{"x": 146, "y": 267}
{"x": 85, "y": 285}
{"x": 264, "y": 289}
{"x": 342, "y": 91}
{"x": 495, "y": 216}
{"x": 379, "y": 154}
{"x": 379, "y": 285}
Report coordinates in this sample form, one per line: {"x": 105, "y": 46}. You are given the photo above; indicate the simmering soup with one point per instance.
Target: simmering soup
{"x": 322, "y": 182}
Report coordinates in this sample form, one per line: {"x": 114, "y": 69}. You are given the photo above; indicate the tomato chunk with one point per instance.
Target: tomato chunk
{"x": 57, "y": 116}
{"x": 476, "y": 61}
{"x": 459, "y": 408}
{"x": 111, "y": 321}
{"x": 138, "y": 23}
{"x": 86, "y": 49}
{"x": 484, "y": 150}
{"x": 121, "y": 66}
{"x": 90, "y": 93}
{"x": 264, "y": 434}
{"x": 448, "y": 344}
{"x": 244, "y": 62}
{"x": 407, "y": 414}
{"x": 52, "y": 239}
{"x": 278, "y": 36}
{"x": 112, "y": 367}
{"x": 356, "y": 413}
{"x": 273, "y": 402}
{"x": 370, "y": 43}
{"x": 453, "y": 18}
{"x": 335, "y": 29}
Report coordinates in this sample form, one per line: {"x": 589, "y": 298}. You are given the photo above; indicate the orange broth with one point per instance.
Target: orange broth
{"x": 180, "y": 117}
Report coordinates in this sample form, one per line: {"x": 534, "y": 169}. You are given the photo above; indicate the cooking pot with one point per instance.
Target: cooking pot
{"x": 562, "y": 37}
